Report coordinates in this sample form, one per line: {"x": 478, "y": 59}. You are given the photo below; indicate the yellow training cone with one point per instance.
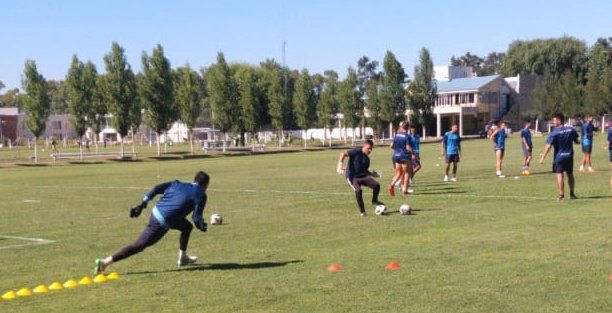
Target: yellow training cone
{"x": 100, "y": 278}
{"x": 56, "y": 286}
{"x": 24, "y": 292}
{"x": 9, "y": 295}
{"x": 70, "y": 283}
{"x": 41, "y": 289}
{"x": 85, "y": 281}
{"x": 112, "y": 276}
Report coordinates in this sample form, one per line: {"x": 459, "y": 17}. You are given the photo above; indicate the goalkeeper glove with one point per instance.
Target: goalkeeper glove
{"x": 137, "y": 209}
{"x": 201, "y": 225}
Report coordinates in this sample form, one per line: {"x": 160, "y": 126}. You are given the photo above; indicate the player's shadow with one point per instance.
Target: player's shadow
{"x": 221, "y": 267}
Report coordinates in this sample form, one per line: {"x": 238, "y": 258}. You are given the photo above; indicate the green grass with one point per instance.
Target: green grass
{"x": 481, "y": 244}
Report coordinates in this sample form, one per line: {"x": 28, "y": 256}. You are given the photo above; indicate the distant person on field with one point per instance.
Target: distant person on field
{"x": 357, "y": 173}
{"x": 451, "y": 149}
{"x": 527, "y": 146}
{"x": 177, "y": 201}
{"x": 586, "y": 135}
{"x": 498, "y": 136}
{"x": 416, "y": 157}
{"x": 54, "y": 145}
{"x": 561, "y": 139}
{"x": 402, "y": 160}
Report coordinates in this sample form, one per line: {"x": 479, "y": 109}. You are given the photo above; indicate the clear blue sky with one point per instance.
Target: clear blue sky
{"x": 320, "y": 34}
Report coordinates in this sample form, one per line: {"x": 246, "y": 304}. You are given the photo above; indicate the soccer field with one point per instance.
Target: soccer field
{"x": 482, "y": 244}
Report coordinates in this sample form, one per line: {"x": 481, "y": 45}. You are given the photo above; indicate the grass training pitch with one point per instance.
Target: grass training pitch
{"x": 481, "y": 244}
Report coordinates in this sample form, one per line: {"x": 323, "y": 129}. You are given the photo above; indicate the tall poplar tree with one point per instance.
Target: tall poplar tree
{"x": 223, "y": 95}
{"x": 157, "y": 92}
{"x": 120, "y": 90}
{"x": 304, "y": 104}
{"x": 392, "y": 99}
{"x": 37, "y": 104}
{"x": 249, "y": 90}
{"x": 349, "y": 99}
{"x": 189, "y": 97}
{"x": 328, "y": 104}
{"x": 422, "y": 91}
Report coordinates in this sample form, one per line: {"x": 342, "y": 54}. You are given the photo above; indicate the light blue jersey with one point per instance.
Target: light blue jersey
{"x": 452, "y": 143}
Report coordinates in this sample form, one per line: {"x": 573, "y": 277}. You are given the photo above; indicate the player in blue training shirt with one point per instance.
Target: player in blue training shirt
{"x": 561, "y": 138}
{"x": 499, "y": 139}
{"x": 586, "y": 136}
{"x": 451, "y": 148}
{"x": 177, "y": 201}
{"x": 416, "y": 157}
{"x": 610, "y": 142}
{"x": 527, "y": 146}
{"x": 402, "y": 160}
{"x": 357, "y": 173}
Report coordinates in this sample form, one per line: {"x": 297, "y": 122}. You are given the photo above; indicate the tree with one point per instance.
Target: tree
{"x": 157, "y": 93}
{"x": 249, "y": 90}
{"x": 373, "y": 106}
{"x": 79, "y": 94}
{"x": 545, "y": 56}
{"x": 188, "y": 94}
{"x": 366, "y": 71}
{"x": 58, "y": 96}
{"x": 304, "y": 103}
{"x": 328, "y": 104}
{"x": 422, "y": 91}
{"x": 492, "y": 64}
{"x": 96, "y": 115}
{"x": 349, "y": 99}
{"x": 598, "y": 95}
{"x": 223, "y": 95}
{"x": 36, "y": 102}
{"x": 2, "y": 85}
{"x": 392, "y": 100}
{"x": 120, "y": 90}
{"x": 275, "y": 87}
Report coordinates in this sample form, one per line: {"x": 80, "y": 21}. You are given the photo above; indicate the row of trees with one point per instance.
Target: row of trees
{"x": 241, "y": 98}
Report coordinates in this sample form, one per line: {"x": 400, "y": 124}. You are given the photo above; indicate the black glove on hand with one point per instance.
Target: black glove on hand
{"x": 137, "y": 209}
{"x": 202, "y": 226}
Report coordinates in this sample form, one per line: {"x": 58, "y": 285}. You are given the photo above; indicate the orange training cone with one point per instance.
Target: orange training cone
{"x": 392, "y": 266}
{"x": 334, "y": 268}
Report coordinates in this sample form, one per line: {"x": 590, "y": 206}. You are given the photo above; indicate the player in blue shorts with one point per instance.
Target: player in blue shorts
{"x": 527, "y": 146}
{"x": 357, "y": 173}
{"x": 586, "y": 136}
{"x": 402, "y": 159}
{"x": 499, "y": 139}
{"x": 416, "y": 157}
{"x": 177, "y": 201}
{"x": 561, "y": 138}
{"x": 451, "y": 149}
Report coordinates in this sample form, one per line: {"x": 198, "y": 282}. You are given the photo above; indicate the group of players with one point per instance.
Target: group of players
{"x": 180, "y": 199}
{"x": 406, "y": 158}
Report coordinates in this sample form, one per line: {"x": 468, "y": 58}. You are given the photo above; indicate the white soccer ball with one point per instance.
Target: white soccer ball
{"x": 380, "y": 209}
{"x": 216, "y": 219}
{"x": 405, "y": 209}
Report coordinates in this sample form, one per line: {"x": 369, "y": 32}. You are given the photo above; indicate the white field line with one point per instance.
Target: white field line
{"x": 29, "y": 241}
{"x": 307, "y": 192}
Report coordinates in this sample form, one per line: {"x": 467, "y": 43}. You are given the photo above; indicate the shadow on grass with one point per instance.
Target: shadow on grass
{"x": 32, "y": 164}
{"x": 221, "y": 267}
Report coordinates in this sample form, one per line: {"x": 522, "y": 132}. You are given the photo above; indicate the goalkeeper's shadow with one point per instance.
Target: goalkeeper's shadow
{"x": 221, "y": 267}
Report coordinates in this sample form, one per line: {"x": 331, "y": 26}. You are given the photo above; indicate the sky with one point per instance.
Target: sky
{"x": 318, "y": 34}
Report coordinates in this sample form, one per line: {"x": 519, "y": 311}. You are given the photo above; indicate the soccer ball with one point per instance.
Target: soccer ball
{"x": 216, "y": 219}
{"x": 405, "y": 209}
{"x": 380, "y": 209}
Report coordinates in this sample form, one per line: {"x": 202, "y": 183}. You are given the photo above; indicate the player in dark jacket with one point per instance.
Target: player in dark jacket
{"x": 177, "y": 201}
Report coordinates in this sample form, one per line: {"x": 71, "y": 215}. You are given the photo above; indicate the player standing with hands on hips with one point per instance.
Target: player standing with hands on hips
{"x": 451, "y": 149}
{"x": 178, "y": 199}
{"x": 358, "y": 174}
{"x": 561, "y": 138}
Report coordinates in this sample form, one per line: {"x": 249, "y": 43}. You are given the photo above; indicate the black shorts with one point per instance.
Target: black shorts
{"x": 564, "y": 165}
{"x": 452, "y": 158}
{"x": 401, "y": 159}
